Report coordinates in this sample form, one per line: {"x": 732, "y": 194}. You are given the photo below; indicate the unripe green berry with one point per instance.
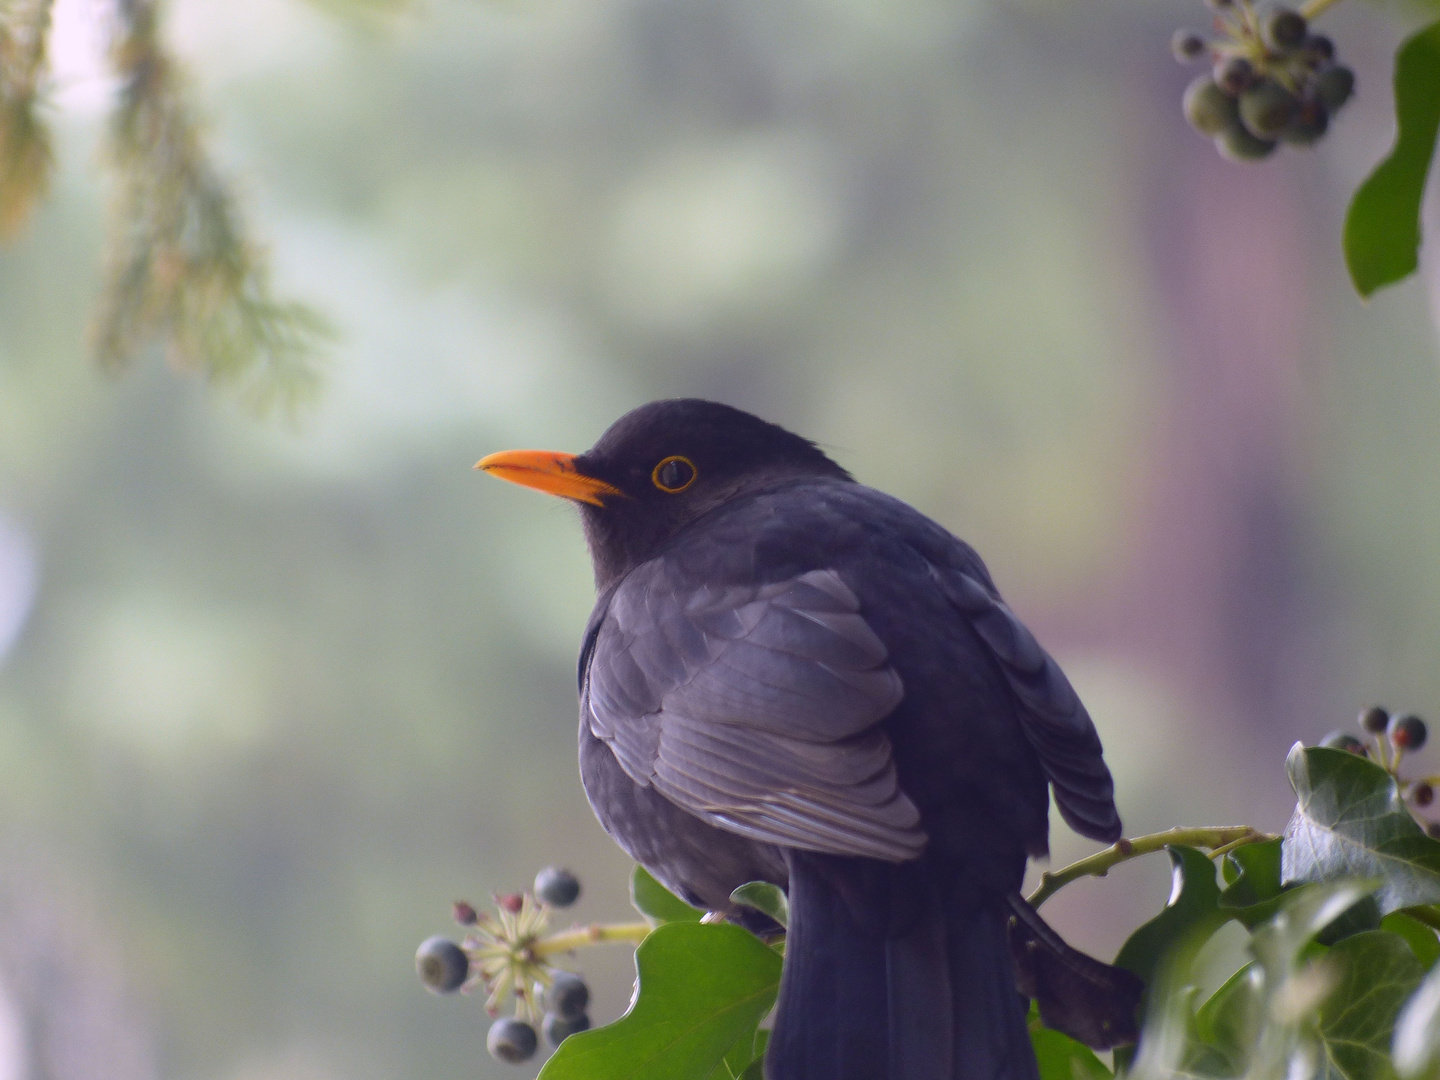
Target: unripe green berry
{"x": 443, "y": 965}
{"x": 1187, "y": 45}
{"x": 1308, "y": 125}
{"x": 1208, "y": 108}
{"x": 568, "y": 996}
{"x": 1343, "y": 740}
{"x": 1234, "y": 75}
{"x": 556, "y": 886}
{"x": 1375, "y": 719}
{"x": 1284, "y": 28}
{"x": 1333, "y": 86}
{"x": 1267, "y": 109}
{"x": 559, "y": 1028}
{"x": 511, "y": 1040}
{"x": 1407, "y": 732}
{"x": 1237, "y": 144}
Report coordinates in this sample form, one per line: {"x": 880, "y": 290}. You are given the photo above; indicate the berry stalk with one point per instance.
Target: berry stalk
{"x": 570, "y": 940}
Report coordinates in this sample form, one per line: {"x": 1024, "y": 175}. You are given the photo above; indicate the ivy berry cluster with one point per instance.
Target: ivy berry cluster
{"x": 1271, "y": 80}
{"x": 507, "y": 952}
{"x": 1392, "y": 736}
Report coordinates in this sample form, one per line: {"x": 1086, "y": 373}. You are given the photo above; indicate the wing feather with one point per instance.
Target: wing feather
{"x": 755, "y": 708}
{"x": 1054, "y": 719}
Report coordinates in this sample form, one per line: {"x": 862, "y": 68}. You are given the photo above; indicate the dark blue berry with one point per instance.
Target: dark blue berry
{"x": 556, "y": 886}
{"x": 1375, "y": 719}
{"x": 1308, "y": 125}
{"x": 568, "y": 996}
{"x": 1343, "y": 740}
{"x": 1319, "y": 48}
{"x": 1234, "y": 75}
{"x": 557, "y": 1028}
{"x": 1333, "y": 86}
{"x": 1284, "y": 28}
{"x": 511, "y": 1040}
{"x": 1407, "y": 732}
{"x": 443, "y": 965}
{"x": 1187, "y": 45}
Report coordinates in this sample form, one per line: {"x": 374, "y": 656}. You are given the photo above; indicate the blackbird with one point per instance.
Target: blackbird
{"x": 790, "y": 677}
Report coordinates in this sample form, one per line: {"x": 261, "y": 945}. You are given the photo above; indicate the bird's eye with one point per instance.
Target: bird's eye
{"x": 674, "y": 474}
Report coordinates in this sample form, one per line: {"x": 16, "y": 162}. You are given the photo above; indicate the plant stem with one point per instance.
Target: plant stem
{"x": 1099, "y": 864}
{"x": 570, "y": 940}
{"x": 1312, "y": 9}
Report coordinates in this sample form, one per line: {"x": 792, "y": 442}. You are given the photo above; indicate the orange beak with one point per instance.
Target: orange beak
{"x": 548, "y": 471}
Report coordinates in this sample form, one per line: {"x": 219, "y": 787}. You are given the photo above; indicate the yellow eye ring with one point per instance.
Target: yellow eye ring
{"x": 686, "y": 474}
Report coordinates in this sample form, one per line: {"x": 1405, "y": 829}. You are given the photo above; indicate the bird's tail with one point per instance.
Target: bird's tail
{"x": 895, "y": 972}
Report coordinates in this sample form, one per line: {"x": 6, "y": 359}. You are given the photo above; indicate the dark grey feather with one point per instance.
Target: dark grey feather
{"x": 1052, "y": 715}
{"x": 756, "y": 708}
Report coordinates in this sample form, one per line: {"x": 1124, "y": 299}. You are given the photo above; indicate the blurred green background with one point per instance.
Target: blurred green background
{"x": 272, "y": 696}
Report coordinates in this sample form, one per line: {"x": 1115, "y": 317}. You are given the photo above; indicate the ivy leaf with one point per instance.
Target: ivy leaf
{"x": 1061, "y": 1057}
{"x": 702, "y": 987}
{"x": 1421, "y": 938}
{"x": 1350, "y": 822}
{"x": 657, "y": 903}
{"x": 1191, "y": 914}
{"x": 766, "y": 898}
{"x": 1375, "y": 973}
{"x": 1417, "y": 1031}
{"x": 1229, "y": 1021}
{"x": 1382, "y": 227}
{"x": 1254, "y": 892}
{"x": 747, "y": 1051}
{"x": 1282, "y": 943}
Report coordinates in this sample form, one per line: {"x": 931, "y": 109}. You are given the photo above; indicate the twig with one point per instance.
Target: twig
{"x": 1216, "y": 838}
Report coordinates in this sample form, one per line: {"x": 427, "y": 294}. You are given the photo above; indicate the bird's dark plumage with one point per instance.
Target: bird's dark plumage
{"x": 792, "y": 677}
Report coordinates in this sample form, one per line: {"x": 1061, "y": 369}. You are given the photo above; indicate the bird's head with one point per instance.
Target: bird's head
{"x": 660, "y": 467}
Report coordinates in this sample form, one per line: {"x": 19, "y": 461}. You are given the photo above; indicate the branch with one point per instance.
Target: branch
{"x": 1220, "y": 839}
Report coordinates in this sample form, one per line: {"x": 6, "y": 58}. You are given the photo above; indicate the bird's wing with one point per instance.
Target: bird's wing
{"x": 1054, "y": 719}
{"x": 754, "y": 707}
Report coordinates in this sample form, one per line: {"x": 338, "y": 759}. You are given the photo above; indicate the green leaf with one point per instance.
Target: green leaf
{"x": 1229, "y": 1021}
{"x": 1061, "y": 1057}
{"x": 1255, "y": 892}
{"x": 1375, "y": 972}
{"x": 1417, "y": 1031}
{"x": 657, "y": 903}
{"x": 1421, "y": 938}
{"x": 1281, "y": 944}
{"x": 1350, "y": 822}
{"x": 1382, "y": 227}
{"x": 702, "y": 986}
{"x": 742, "y": 1055}
{"x": 1191, "y": 914}
{"x": 766, "y": 898}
